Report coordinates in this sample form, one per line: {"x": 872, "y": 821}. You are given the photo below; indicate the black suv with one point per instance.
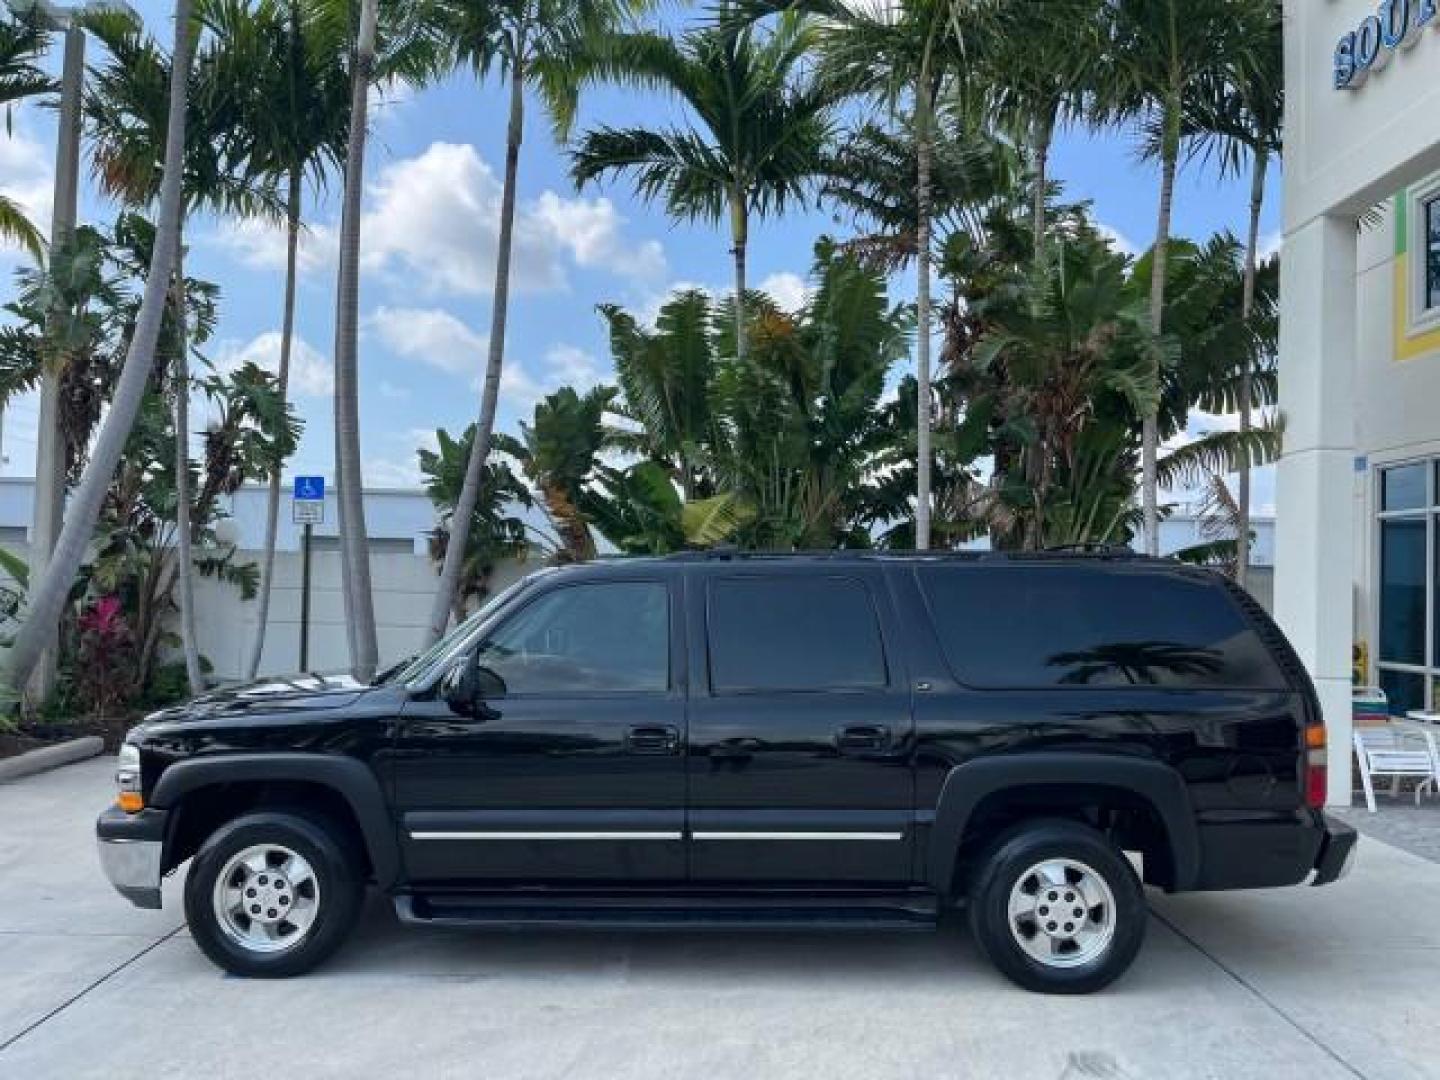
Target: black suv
{"x": 842, "y": 741}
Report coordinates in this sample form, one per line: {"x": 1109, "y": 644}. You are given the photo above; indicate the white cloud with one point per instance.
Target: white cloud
{"x": 570, "y": 365}
{"x": 1271, "y": 244}
{"x": 391, "y": 472}
{"x": 1121, "y": 243}
{"x": 787, "y": 289}
{"x": 402, "y": 469}
{"x": 435, "y": 219}
{"x": 522, "y": 385}
{"x": 26, "y": 175}
{"x": 591, "y": 229}
{"x": 432, "y": 336}
{"x": 648, "y": 310}
{"x": 311, "y": 373}
{"x": 260, "y": 244}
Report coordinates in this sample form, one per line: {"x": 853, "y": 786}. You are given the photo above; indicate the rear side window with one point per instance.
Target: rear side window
{"x": 793, "y": 633}
{"x": 1059, "y": 627}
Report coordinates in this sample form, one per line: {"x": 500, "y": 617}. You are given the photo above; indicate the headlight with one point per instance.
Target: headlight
{"x": 127, "y": 778}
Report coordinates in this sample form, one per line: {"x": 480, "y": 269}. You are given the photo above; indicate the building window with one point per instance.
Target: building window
{"x": 1432, "y": 254}
{"x": 1421, "y": 240}
{"x": 1407, "y": 572}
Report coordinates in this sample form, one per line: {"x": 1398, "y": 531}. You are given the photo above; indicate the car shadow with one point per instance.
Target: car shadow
{"x": 384, "y": 947}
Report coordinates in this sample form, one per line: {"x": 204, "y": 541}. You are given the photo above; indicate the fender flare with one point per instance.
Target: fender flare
{"x": 348, "y": 777}
{"x": 969, "y": 784}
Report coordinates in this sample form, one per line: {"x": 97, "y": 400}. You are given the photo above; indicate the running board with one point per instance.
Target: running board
{"x": 748, "y": 911}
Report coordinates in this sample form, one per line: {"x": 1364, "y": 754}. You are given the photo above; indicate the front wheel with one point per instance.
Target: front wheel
{"x": 1057, "y": 908}
{"x": 271, "y": 894}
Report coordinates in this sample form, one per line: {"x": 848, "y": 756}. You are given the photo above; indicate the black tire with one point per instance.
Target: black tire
{"x": 339, "y": 885}
{"x": 1009, "y": 860}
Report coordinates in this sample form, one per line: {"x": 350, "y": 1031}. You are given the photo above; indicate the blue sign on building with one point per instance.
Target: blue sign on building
{"x": 1395, "y": 25}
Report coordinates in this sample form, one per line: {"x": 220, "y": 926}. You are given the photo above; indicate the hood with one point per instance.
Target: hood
{"x": 292, "y": 693}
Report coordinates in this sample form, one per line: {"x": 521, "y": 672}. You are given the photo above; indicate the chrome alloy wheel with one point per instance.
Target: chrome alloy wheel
{"x": 1062, "y": 913}
{"x": 266, "y": 898}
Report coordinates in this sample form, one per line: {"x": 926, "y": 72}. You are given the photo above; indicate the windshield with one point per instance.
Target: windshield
{"x": 422, "y": 665}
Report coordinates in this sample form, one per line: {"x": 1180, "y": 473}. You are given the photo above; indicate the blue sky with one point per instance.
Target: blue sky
{"x": 431, "y": 207}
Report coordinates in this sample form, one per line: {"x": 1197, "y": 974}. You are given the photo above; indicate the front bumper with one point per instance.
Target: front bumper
{"x": 1337, "y": 852}
{"x": 132, "y": 850}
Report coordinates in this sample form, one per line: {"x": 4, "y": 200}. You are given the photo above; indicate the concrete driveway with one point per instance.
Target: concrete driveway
{"x": 1305, "y": 983}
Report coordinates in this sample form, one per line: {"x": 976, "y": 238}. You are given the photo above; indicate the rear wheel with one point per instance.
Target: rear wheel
{"x": 1057, "y": 908}
{"x": 271, "y": 894}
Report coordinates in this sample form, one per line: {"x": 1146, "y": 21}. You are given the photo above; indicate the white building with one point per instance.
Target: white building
{"x": 397, "y": 519}
{"x": 1360, "y": 352}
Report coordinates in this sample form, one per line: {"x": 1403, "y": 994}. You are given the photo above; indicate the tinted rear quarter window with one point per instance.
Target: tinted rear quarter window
{"x": 793, "y": 634}
{"x": 1070, "y": 627}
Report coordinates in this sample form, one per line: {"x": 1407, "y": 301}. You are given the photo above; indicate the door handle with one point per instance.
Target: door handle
{"x": 660, "y": 739}
{"x": 863, "y": 737}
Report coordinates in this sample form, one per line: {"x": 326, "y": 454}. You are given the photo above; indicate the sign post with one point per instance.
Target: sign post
{"x": 307, "y": 510}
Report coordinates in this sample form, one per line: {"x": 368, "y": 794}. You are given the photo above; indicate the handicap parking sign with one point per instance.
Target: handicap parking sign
{"x": 310, "y": 487}
{"x": 308, "y": 505}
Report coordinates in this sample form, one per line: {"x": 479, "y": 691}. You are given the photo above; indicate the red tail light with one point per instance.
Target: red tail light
{"x": 1316, "y": 766}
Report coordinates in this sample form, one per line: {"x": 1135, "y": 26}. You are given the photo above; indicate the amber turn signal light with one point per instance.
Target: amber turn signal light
{"x": 132, "y": 802}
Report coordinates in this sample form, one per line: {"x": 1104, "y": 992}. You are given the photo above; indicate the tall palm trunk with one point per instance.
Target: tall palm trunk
{"x": 354, "y": 548}
{"x": 184, "y": 559}
{"x": 1150, "y": 431}
{"x": 740, "y": 239}
{"x": 1044, "y": 134}
{"x": 48, "y": 594}
{"x": 576, "y": 541}
{"x": 1247, "y": 307}
{"x": 272, "y": 503}
{"x": 447, "y": 591}
{"x": 922, "y": 305}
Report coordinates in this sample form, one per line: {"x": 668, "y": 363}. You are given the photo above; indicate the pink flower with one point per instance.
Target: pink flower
{"x": 104, "y": 616}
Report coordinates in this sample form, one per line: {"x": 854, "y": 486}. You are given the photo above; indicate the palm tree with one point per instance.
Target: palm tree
{"x": 1244, "y": 114}
{"x": 802, "y": 440}
{"x": 757, "y": 141}
{"x": 559, "y": 452}
{"x": 48, "y": 595}
{"x": 404, "y": 46}
{"x": 894, "y": 52}
{"x": 496, "y": 532}
{"x": 973, "y": 175}
{"x": 354, "y": 543}
{"x": 125, "y": 107}
{"x": 541, "y": 44}
{"x": 1162, "y": 52}
{"x": 1075, "y": 354}
{"x": 666, "y": 376}
{"x": 298, "y": 112}
{"x": 1039, "y": 66}
{"x": 21, "y": 46}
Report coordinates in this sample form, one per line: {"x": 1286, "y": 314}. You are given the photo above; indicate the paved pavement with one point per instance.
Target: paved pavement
{"x": 1303, "y": 983}
{"x": 1399, "y": 821}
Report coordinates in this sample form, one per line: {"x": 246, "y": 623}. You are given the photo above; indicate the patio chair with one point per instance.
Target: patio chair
{"x": 1396, "y": 752}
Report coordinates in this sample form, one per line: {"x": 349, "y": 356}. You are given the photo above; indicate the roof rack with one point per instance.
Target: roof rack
{"x": 727, "y": 552}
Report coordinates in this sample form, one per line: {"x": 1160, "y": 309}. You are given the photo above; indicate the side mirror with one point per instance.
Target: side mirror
{"x": 470, "y": 683}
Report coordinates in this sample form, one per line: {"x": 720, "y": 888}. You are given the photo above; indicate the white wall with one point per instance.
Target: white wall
{"x": 1346, "y": 150}
{"x": 403, "y": 588}
{"x": 390, "y": 514}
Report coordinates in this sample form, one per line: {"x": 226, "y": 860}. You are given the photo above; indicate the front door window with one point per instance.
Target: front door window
{"x": 599, "y": 637}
